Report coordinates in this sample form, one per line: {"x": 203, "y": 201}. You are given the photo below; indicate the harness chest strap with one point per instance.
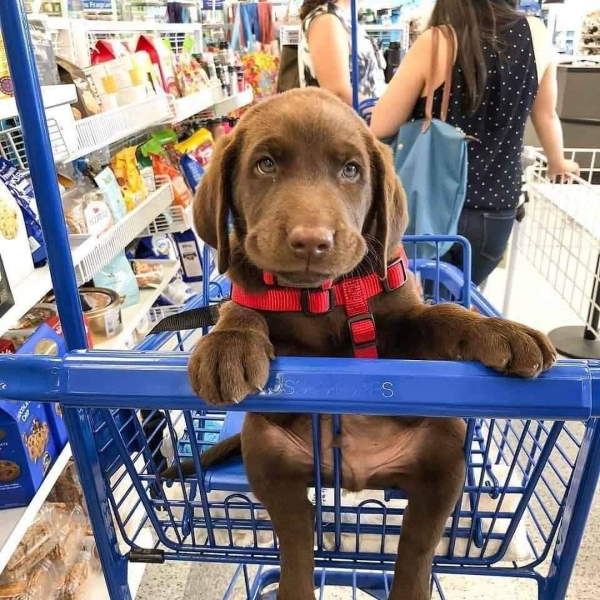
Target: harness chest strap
{"x": 352, "y": 294}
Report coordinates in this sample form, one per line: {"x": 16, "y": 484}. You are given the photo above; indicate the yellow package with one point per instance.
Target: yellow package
{"x": 196, "y": 140}
{"x": 6, "y": 86}
{"x": 124, "y": 165}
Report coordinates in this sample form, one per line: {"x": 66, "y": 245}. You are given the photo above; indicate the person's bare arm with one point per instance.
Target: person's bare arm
{"x": 329, "y": 51}
{"x": 408, "y": 84}
{"x": 548, "y": 127}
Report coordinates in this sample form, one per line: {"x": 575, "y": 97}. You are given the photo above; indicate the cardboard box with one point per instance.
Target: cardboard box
{"x": 27, "y": 450}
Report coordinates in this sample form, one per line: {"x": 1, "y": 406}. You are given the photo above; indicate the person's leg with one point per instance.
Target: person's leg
{"x": 488, "y": 234}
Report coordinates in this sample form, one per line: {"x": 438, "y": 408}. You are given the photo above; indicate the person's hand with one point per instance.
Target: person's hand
{"x": 562, "y": 169}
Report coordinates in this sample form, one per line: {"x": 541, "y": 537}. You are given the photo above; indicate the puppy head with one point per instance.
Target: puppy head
{"x": 310, "y": 189}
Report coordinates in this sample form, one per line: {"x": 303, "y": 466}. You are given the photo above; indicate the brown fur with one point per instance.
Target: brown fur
{"x": 311, "y": 136}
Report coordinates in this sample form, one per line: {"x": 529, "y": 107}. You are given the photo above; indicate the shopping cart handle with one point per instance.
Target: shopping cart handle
{"x": 570, "y": 390}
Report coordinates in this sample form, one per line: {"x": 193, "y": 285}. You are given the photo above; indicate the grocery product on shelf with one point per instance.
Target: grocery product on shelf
{"x": 181, "y": 192}
{"x": 190, "y": 75}
{"x": 46, "y": 563}
{"x": 190, "y": 254}
{"x": 102, "y": 307}
{"x": 118, "y": 276}
{"x": 149, "y": 273}
{"x": 161, "y": 56}
{"x": 199, "y": 145}
{"x": 125, "y": 167}
{"x": 19, "y": 184}
{"x": 14, "y": 241}
{"x": 108, "y": 184}
{"x": 88, "y": 102}
{"x": 26, "y": 451}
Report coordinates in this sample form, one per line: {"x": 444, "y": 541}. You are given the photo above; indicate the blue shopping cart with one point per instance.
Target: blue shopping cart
{"x": 532, "y": 447}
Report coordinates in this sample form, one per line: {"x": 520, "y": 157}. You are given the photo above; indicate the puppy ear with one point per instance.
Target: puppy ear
{"x": 214, "y": 199}
{"x": 388, "y": 216}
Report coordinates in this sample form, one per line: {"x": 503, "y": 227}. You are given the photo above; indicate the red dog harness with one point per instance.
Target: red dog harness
{"x": 352, "y": 293}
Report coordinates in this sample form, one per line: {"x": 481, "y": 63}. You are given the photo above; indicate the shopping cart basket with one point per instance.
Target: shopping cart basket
{"x": 559, "y": 238}
{"x": 532, "y": 447}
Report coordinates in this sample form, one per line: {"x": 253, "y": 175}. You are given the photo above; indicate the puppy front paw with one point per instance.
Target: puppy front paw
{"x": 228, "y": 365}
{"x": 509, "y": 347}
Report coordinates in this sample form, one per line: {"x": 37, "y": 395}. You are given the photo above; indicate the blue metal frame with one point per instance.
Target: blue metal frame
{"x": 105, "y": 381}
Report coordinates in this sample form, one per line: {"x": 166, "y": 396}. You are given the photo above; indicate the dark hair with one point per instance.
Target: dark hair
{"x": 309, "y": 5}
{"x": 476, "y": 23}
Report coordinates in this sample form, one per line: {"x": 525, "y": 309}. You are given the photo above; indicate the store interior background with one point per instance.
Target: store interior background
{"x": 529, "y": 294}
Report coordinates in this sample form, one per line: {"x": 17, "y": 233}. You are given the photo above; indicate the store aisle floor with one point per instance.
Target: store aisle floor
{"x": 534, "y": 303}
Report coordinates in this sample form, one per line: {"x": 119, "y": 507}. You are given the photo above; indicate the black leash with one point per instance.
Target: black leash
{"x": 195, "y": 318}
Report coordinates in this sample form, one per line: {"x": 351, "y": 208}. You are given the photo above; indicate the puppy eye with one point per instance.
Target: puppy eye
{"x": 350, "y": 171}
{"x": 266, "y": 166}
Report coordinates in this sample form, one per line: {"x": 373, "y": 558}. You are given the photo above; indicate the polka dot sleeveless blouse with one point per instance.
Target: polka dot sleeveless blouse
{"x": 494, "y": 180}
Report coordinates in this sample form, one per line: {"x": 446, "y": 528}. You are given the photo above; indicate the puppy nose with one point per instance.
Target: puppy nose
{"x": 310, "y": 242}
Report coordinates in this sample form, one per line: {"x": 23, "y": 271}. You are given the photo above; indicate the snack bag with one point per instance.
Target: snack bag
{"x": 125, "y": 167}
{"x": 181, "y": 192}
{"x": 19, "y": 184}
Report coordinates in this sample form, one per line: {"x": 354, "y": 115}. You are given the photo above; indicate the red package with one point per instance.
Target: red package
{"x": 7, "y": 346}
{"x": 106, "y": 50}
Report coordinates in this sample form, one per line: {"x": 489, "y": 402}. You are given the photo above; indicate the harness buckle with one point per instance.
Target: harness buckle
{"x": 365, "y": 337}
{"x": 385, "y": 283}
{"x": 305, "y": 298}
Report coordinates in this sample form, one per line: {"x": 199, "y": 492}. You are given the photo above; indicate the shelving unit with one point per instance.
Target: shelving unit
{"x": 53, "y": 95}
{"x": 108, "y": 127}
{"x": 72, "y": 139}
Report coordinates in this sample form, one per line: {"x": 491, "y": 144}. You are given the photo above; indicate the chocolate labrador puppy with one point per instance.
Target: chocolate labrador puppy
{"x": 314, "y": 200}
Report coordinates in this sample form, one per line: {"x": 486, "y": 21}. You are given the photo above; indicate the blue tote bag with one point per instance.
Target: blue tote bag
{"x": 430, "y": 158}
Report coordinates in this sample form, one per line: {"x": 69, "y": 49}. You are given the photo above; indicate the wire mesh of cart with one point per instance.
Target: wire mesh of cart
{"x": 560, "y": 237}
{"x": 532, "y": 447}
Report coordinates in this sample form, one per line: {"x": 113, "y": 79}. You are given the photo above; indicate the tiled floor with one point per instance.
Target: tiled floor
{"x": 533, "y": 303}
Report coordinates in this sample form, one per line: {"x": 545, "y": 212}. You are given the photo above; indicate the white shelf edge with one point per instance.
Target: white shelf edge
{"x": 14, "y": 522}
{"x": 231, "y": 103}
{"x": 132, "y": 315}
{"x": 106, "y": 25}
{"x": 157, "y": 108}
{"x": 188, "y": 106}
{"x": 52, "y": 95}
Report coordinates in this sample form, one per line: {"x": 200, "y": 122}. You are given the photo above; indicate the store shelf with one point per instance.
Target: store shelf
{"x": 134, "y": 315}
{"x": 109, "y": 26}
{"x": 53, "y": 95}
{"x": 90, "y": 255}
{"x": 188, "y": 106}
{"x": 173, "y": 220}
{"x": 376, "y": 28}
{"x": 105, "y": 128}
{"x": 14, "y": 522}
{"x": 227, "y": 105}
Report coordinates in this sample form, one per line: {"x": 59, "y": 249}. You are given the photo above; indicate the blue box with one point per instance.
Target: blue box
{"x": 27, "y": 449}
{"x": 48, "y": 339}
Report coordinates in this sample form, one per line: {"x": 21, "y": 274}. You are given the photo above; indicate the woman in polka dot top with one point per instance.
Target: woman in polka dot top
{"x": 503, "y": 73}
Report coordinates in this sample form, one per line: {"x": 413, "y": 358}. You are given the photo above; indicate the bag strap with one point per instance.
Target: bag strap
{"x": 449, "y": 68}
{"x": 435, "y": 32}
